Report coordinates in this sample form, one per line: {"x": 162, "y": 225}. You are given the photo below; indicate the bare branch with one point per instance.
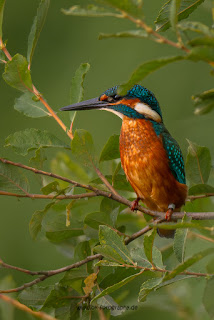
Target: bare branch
{"x": 24, "y": 308}
{"x": 105, "y": 181}
{"x": 200, "y": 196}
{"x": 142, "y": 231}
{"x": 43, "y": 196}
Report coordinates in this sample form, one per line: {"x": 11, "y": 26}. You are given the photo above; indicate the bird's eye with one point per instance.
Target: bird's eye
{"x": 110, "y": 99}
{"x": 113, "y": 98}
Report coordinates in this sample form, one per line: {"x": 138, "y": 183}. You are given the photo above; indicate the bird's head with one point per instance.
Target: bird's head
{"x": 137, "y": 103}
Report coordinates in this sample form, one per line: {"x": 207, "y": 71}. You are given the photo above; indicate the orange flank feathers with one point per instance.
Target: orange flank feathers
{"x": 146, "y": 166}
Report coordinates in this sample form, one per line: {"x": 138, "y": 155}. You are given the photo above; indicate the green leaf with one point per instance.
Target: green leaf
{"x": 138, "y": 255}
{"x": 201, "y": 189}
{"x": 208, "y": 297}
{"x": 35, "y": 224}
{"x": 196, "y": 26}
{"x": 145, "y": 69}
{"x": 63, "y": 165}
{"x": 76, "y": 93}
{"x": 198, "y": 163}
{"x": 77, "y": 90}
{"x": 30, "y": 139}
{"x": 173, "y": 11}
{"x": 111, "y": 149}
{"x": 147, "y": 287}
{"x": 82, "y": 146}
{"x": 51, "y": 187}
{"x": 180, "y": 242}
{"x": 55, "y": 298}
{"x": 188, "y": 263}
{"x": 204, "y": 102}
{"x": 112, "y": 208}
{"x": 7, "y": 309}
{"x": 204, "y": 53}
{"x": 174, "y": 280}
{"x": 72, "y": 276}
{"x": 56, "y": 230}
{"x": 131, "y": 7}
{"x": 125, "y": 34}
{"x": 26, "y": 105}
{"x": 157, "y": 257}
{"x": 12, "y": 179}
{"x": 2, "y": 3}
{"x": 17, "y": 74}
{"x": 201, "y": 41}
{"x": 110, "y": 253}
{"x": 148, "y": 242}
{"x": 95, "y": 219}
{"x": 109, "y": 237}
{"x": 187, "y": 7}
{"x": 109, "y": 303}
{"x": 34, "y": 297}
{"x": 179, "y": 225}
{"x": 116, "y": 286}
{"x": 36, "y": 28}
{"x": 90, "y": 11}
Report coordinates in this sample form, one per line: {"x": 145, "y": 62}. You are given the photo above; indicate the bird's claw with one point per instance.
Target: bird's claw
{"x": 170, "y": 211}
{"x": 135, "y": 204}
{"x": 168, "y": 214}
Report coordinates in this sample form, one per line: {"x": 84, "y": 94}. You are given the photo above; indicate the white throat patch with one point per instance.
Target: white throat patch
{"x": 120, "y": 115}
{"x": 147, "y": 111}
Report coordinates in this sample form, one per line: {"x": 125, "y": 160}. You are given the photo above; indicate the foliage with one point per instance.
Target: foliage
{"x": 87, "y": 215}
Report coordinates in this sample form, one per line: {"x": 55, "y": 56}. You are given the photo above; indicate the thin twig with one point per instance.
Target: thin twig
{"x": 158, "y": 37}
{"x": 24, "y": 308}
{"x": 39, "y": 96}
{"x": 201, "y": 196}
{"x": 142, "y": 231}
{"x": 105, "y": 181}
{"x": 43, "y": 196}
{"x": 198, "y": 235}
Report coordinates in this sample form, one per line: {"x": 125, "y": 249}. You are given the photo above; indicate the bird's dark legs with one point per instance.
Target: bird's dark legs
{"x": 135, "y": 204}
{"x": 170, "y": 211}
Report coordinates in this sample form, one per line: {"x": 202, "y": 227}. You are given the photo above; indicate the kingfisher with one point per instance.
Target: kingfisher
{"x": 150, "y": 157}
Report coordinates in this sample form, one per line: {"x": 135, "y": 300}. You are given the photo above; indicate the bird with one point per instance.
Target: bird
{"x": 150, "y": 157}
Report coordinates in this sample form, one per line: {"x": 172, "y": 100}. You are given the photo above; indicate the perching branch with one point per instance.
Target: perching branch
{"x": 118, "y": 198}
{"x": 17, "y": 304}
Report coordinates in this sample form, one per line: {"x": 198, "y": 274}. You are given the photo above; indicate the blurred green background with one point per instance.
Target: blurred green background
{"x": 65, "y": 42}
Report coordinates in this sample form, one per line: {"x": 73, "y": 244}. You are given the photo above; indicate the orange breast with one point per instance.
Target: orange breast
{"x": 146, "y": 166}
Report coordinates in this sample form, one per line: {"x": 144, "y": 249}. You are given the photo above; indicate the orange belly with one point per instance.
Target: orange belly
{"x": 146, "y": 166}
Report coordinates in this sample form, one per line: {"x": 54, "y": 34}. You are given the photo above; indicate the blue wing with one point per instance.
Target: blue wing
{"x": 176, "y": 161}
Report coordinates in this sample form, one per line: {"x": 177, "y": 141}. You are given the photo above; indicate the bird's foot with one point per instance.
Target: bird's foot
{"x": 170, "y": 211}
{"x": 135, "y": 204}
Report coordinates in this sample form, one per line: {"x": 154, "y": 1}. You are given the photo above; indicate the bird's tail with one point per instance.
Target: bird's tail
{"x": 164, "y": 233}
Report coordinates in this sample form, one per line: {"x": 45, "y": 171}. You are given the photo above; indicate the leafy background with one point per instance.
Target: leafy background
{"x": 66, "y": 42}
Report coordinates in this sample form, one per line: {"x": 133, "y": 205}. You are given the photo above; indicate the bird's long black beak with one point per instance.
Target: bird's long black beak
{"x": 87, "y": 105}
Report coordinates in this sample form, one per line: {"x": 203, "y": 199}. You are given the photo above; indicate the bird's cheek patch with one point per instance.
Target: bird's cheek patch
{"x": 144, "y": 109}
